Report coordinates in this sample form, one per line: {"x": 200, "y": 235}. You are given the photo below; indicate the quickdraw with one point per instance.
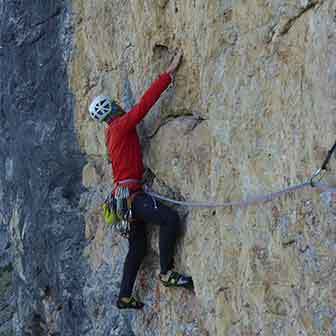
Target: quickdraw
{"x": 320, "y": 173}
{"x": 124, "y": 211}
{"x": 117, "y": 211}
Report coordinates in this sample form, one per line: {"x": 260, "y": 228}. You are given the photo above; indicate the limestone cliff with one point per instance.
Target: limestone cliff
{"x": 42, "y": 230}
{"x": 252, "y": 110}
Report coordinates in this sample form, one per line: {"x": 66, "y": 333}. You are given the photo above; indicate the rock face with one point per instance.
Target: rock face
{"x": 254, "y": 95}
{"x": 252, "y": 110}
{"x": 42, "y": 228}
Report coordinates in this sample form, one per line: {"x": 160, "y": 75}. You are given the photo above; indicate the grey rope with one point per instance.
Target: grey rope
{"x": 245, "y": 202}
{"x": 324, "y": 187}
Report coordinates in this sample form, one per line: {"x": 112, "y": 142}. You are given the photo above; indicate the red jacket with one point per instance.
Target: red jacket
{"x": 122, "y": 139}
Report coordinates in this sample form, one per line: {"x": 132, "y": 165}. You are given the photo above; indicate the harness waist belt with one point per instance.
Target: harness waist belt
{"x": 129, "y": 181}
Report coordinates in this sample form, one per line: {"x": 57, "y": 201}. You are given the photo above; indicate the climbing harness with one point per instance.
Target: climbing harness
{"x": 117, "y": 209}
{"x": 318, "y": 175}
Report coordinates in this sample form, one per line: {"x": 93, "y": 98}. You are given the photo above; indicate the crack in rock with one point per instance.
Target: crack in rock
{"x": 58, "y": 12}
{"x": 283, "y": 28}
{"x": 170, "y": 118}
{"x": 163, "y": 4}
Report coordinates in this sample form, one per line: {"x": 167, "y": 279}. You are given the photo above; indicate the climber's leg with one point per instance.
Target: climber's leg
{"x": 146, "y": 209}
{"x": 149, "y": 210}
{"x": 136, "y": 253}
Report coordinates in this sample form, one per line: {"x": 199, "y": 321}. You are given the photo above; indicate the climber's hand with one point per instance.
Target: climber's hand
{"x": 175, "y": 62}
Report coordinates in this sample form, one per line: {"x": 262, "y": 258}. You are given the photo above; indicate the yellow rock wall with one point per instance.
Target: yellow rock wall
{"x": 252, "y": 111}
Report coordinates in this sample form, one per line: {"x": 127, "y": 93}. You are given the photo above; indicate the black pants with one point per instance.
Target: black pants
{"x": 146, "y": 210}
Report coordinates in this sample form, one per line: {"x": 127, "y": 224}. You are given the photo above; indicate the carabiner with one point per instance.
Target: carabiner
{"x": 316, "y": 174}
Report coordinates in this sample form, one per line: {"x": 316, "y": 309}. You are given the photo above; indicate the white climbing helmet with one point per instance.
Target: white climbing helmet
{"x": 100, "y": 108}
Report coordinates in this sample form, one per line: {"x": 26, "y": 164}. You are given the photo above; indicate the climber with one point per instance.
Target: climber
{"x": 125, "y": 154}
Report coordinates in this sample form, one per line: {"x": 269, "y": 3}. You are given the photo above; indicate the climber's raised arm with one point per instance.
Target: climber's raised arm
{"x": 151, "y": 96}
{"x": 131, "y": 119}
{"x": 104, "y": 109}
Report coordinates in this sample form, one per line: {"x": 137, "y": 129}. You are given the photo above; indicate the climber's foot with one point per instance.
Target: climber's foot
{"x": 175, "y": 279}
{"x": 129, "y": 303}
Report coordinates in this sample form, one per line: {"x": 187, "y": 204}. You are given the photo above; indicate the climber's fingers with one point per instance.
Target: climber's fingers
{"x": 176, "y": 61}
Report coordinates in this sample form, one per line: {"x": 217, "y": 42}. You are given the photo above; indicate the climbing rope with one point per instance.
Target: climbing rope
{"x": 311, "y": 183}
{"x": 245, "y": 202}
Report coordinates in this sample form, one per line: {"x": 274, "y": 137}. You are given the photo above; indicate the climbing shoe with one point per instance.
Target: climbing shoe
{"x": 129, "y": 303}
{"x": 175, "y": 279}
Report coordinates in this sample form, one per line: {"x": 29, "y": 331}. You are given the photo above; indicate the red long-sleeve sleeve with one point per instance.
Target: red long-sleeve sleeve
{"x": 122, "y": 139}
{"x": 151, "y": 96}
